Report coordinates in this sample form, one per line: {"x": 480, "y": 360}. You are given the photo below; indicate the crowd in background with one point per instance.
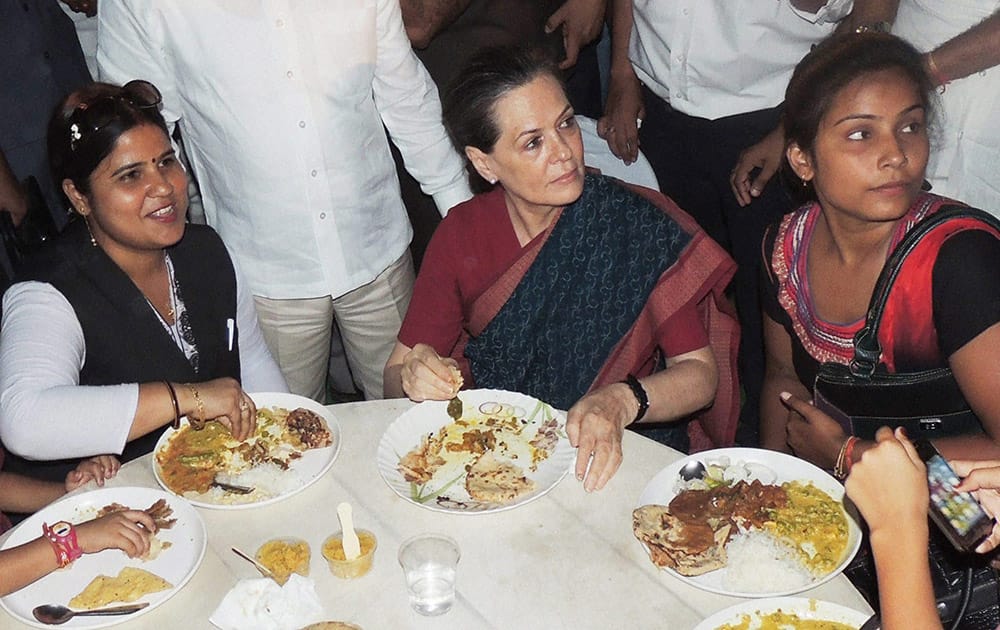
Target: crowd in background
{"x": 348, "y": 156}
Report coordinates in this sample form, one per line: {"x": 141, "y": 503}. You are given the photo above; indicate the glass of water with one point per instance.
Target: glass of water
{"x": 429, "y": 564}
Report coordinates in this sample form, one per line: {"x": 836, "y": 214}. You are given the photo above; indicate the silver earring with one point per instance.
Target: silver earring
{"x": 493, "y": 180}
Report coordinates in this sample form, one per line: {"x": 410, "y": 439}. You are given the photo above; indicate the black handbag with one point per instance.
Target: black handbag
{"x": 965, "y": 585}
{"x": 862, "y": 396}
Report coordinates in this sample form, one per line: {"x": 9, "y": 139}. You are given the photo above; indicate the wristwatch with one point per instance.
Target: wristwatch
{"x": 874, "y": 27}
{"x": 62, "y": 535}
{"x": 640, "y": 395}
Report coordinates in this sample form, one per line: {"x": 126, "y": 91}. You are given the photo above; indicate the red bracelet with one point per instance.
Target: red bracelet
{"x": 849, "y": 453}
{"x": 62, "y": 535}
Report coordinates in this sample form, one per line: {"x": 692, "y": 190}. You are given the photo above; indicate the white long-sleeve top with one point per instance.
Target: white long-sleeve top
{"x": 281, "y": 104}
{"x": 716, "y": 58}
{"x": 44, "y": 411}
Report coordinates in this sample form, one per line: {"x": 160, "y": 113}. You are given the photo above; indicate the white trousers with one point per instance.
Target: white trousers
{"x": 298, "y": 331}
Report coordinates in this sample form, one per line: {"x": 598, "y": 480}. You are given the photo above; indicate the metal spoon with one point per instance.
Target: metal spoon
{"x": 54, "y": 614}
{"x": 228, "y": 487}
{"x": 692, "y": 470}
{"x": 260, "y": 567}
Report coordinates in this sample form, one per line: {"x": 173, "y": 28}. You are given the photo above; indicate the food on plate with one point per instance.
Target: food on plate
{"x": 457, "y": 380}
{"x": 160, "y": 512}
{"x": 284, "y": 556}
{"x": 307, "y": 429}
{"x": 420, "y": 464}
{"x": 491, "y": 447}
{"x": 791, "y": 533}
{"x": 494, "y": 481}
{"x": 129, "y": 585}
{"x": 191, "y": 460}
{"x": 779, "y": 620}
{"x": 333, "y": 551}
{"x": 690, "y": 548}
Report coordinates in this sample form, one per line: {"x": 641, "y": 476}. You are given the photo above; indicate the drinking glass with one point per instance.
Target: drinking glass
{"x": 429, "y": 564}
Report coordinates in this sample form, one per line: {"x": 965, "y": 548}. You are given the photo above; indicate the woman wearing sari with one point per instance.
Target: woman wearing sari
{"x": 573, "y": 288}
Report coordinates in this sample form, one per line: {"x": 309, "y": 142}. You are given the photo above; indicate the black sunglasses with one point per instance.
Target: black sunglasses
{"x": 90, "y": 118}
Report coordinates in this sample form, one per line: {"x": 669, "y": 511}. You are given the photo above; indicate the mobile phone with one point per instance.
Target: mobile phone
{"x": 957, "y": 514}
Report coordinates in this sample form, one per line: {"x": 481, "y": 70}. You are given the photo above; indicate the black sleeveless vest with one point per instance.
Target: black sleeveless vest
{"x": 124, "y": 339}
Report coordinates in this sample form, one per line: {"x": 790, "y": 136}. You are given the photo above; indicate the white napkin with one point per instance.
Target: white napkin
{"x": 262, "y": 604}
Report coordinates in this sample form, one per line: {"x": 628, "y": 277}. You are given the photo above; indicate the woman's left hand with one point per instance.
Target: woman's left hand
{"x": 812, "y": 435}
{"x": 97, "y": 468}
{"x": 595, "y": 425}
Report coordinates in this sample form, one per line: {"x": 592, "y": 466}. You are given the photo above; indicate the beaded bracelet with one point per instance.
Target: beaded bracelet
{"x": 62, "y": 535}
{"x": 197, "y": 420}
{"x": 176, "y": 424}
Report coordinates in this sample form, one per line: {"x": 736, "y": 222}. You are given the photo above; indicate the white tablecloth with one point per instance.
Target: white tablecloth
{"x": 567, "y": 560}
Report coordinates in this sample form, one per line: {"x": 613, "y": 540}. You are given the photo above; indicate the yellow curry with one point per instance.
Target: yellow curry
{"x": 814, "y": 524}
{"x": 779, "y": 620}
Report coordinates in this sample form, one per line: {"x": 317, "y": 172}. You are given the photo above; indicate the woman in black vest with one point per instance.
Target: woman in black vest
{"x": 131, "y": 318}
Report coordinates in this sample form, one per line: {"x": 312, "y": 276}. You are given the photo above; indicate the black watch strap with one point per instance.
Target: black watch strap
{"x": 640, "y": 395}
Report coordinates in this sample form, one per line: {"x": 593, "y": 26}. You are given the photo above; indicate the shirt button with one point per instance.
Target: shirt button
{"x": 289, "y": 74}
{"x": 322, "y": 215}
{"x": 279, "y": 22}
{"x": 302, "y": 124}
{"x": 313, "y": 172}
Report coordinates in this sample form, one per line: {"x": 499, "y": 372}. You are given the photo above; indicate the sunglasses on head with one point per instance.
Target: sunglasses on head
{"x": 90, "y": 118}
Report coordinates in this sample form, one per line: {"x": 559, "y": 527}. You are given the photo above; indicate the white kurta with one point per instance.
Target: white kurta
{"x": 965, "y": 151}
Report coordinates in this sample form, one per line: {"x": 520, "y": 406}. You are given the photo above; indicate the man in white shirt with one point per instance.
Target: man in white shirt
{"x": 282, "y": 106}
{"x": 707, "y": 78}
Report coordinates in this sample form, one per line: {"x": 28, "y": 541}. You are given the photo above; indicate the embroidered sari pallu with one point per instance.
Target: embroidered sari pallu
{"x": 586, "y": 305}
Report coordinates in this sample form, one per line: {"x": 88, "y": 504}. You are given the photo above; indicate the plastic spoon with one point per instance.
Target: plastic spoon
{"x": 352, "y": 546}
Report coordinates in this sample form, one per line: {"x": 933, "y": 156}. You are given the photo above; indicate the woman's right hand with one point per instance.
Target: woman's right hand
{"x": 889, "y": 484}
{"x": 428, "y": 376}
{"x": 129, "y": 531}
{"x": 222, "y": 399}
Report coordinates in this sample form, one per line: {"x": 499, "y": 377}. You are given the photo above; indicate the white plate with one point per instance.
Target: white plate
{"x": 660, "y": 490}
{"x": 801, "y": 606}
{"x": 428, "y": 417}
{"x": 175, "y": 565}
{"x": 309, "y": 468}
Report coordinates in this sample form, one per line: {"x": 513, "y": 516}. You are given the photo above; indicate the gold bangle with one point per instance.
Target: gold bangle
{"x": 176, "y": 424}
{"x": 939, "y": 78}
{"x": 197, "y": 420}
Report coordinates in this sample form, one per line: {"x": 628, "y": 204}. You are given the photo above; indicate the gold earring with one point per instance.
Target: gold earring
{"x": 93, "y": 241}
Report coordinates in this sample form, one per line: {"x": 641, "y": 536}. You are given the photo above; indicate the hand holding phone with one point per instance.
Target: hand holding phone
{"x": 957, "y": 514}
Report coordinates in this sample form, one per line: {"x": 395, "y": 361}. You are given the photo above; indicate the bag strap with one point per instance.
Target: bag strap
{"x": 867, "y": 350}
